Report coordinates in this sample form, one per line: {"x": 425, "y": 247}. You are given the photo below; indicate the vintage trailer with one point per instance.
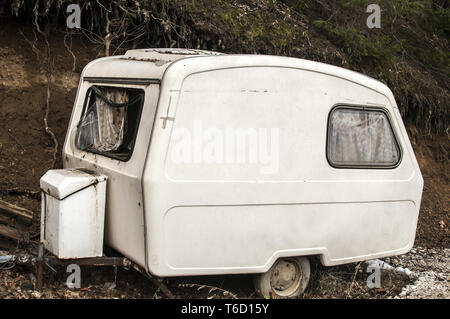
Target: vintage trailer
{"x": 231, "y": 164}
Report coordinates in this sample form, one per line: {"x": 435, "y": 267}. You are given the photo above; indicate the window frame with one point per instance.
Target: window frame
{"x": 381, "y": 109}
{"x": 133, "y": 140}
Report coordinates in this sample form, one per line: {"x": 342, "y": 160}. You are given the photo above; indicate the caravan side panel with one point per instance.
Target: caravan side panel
{"x": 240, "y": 176}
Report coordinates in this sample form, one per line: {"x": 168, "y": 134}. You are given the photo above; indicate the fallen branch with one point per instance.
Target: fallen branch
{"x": 6, "y": 220}
{"x": 211, "y": 289}
{"x": 357, "y": 269}
{"x": 12, "y": 233}
{"x": 16, "y": 211}
{"x": 27, "y": 193}
{"x": 157, "y": 282}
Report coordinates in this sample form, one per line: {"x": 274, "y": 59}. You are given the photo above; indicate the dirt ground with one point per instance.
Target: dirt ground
{"x": 26, "y": 154}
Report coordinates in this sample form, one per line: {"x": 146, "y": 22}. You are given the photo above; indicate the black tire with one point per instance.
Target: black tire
{"x": 287, "y": 278}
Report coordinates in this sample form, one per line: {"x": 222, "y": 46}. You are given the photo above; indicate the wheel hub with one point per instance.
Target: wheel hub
{"x": 286, "y": 277}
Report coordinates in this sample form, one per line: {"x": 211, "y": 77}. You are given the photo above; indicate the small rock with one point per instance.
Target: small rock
{"x": 109, "y": 285}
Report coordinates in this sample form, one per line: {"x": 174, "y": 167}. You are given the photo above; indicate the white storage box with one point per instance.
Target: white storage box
{"x": 73, "y": 212}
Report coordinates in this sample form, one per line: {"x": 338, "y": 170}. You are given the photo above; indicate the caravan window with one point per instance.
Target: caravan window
{"x": 109, "y": 121}
{"x": 361, "y": 138}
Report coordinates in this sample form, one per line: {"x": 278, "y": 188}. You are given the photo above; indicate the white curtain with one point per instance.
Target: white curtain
{"x": 111, "y": 120}
{"x": 361, "y": 137}
{"x": 103, "y": 127}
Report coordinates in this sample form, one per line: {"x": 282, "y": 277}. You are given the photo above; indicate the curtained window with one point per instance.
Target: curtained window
{"x": 361, "y": 137}
{"x": 109, "y": 122}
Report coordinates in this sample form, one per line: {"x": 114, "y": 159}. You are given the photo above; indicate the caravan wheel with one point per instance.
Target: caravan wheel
{"x": 287, "y": 278}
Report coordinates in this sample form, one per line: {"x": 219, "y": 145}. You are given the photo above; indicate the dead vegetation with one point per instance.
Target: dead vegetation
{"x": 342, "y": 282}
{"x": 350, "y": 281}
{"x": 15, "y": 222}
{"x": 409, "y": 52}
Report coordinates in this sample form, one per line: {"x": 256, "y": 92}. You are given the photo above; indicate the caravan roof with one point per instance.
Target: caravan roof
{"x": 151, "y": 64}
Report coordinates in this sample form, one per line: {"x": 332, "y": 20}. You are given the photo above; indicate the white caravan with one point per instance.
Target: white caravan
{"x": 232, "y": 164}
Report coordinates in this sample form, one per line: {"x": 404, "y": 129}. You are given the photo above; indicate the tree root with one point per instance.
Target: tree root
{"x": 47, "y": 129}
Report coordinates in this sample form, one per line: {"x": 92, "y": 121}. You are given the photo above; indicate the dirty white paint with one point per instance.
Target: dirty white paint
{"x": 221, "y": 219}
{"x": 72, "y": 214}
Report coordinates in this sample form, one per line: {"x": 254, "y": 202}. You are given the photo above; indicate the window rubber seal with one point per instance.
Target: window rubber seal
{"x": 363, "y": 166}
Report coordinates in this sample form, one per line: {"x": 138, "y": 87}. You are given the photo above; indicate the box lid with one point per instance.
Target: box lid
{"x": 60, "y": 183}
